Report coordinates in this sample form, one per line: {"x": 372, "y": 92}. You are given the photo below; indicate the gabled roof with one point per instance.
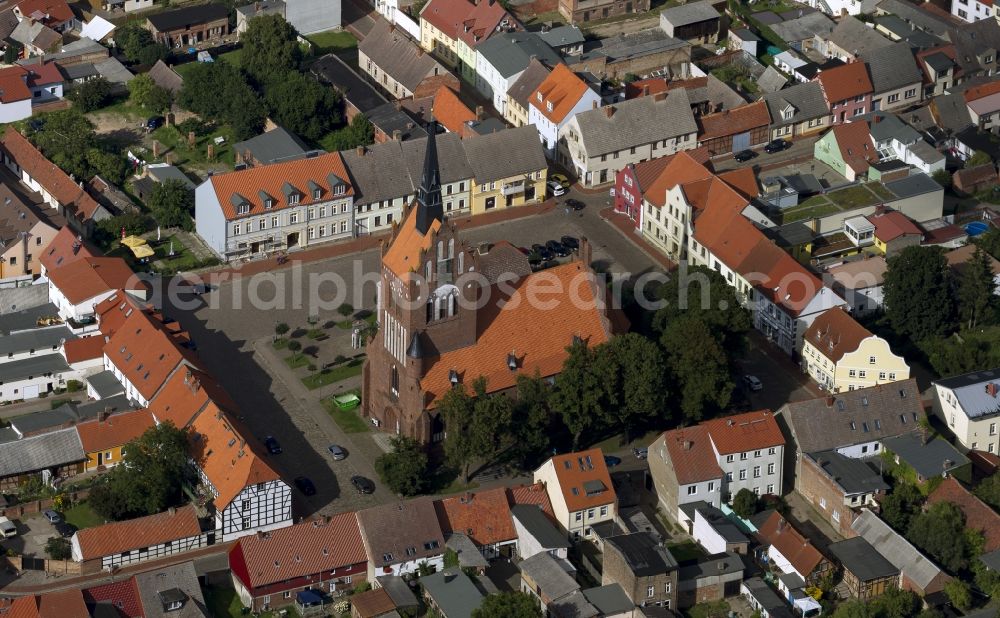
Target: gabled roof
{"x": 974, "y": 391}
{"x": 859, "y": 557}
{"x": 470, "y": 22}
{"x": 528, "y": 82}
{"x": 403, "y": 254}
{"x": 556, "y": 96}
{"x": 122, "y": 536}
{"x": 483, "y": 516}
{"x": 780, "y": 534}
{"x": 188, "y": 16}
{"x": 53, "y": 12}
{"x": 915, "y": 566}
{"x": 87, "y": 348}
{"x": 449, "y": 110}
{"x": 679, "y": 169}
{"x": 123, "y": 594}
{"x": 691, "y": 455}
{"x": 116, "y": 430}
{"x": 165, "y": 77}
{"x": 805, "y": 99}
{"x": 892, "y": 67}
{"x": 58, "y": 604}
{"x": 395, "y": 533}
{"x": 186, "y": 394}
{"x": 835, "y": 333}
{"x": 854, "y": 37}
{"x": 845, "y": 82}
{"x": 511, "y": 52}
{"x": 83, "y": 279}
{"x": 853, "y": 476}
{"x": 35, "y": 453}
{"x": 324, "y": 544}
{"x": 530, "y": 495}
{"x": 928, "y": 458}
{"x": 805, "y": 27}
{"x": 730, "y": 122}
{"x": 972, "y": 40}
{"x": 272, "y": 146}
{"x": 892, "y": 224}
{"x": 643, "y": 120}
{"x": 583, "y": 479}
{"x": 644, "y": 555}
{"x": 66, "y": 247}
{"x": 252, "y": 186}
{"x": 398, "y": 55}
{"x": 745, "y": 432}
{"x": 690, "y": 13}
{"x": 857, "y": 149}
{"x": 147, "y": 352}
{"x": 176, "y": 582}
{"x": 978, "y": 515}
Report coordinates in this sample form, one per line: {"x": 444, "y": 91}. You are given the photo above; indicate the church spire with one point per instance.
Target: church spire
{"x": 429, "y": 206}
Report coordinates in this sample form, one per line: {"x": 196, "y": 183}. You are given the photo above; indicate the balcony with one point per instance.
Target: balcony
{"x": 513, "y": 188}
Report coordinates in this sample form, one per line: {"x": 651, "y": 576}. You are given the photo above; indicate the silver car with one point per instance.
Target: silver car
{"x": 52, "y": 516}
{"x": 337, "y": 451}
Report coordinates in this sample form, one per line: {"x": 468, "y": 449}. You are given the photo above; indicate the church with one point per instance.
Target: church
{"x": 449, "y": 313}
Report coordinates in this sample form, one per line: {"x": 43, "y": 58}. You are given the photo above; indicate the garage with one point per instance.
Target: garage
{"x": 741, "y": 141}
{"x": 30, "y": 392}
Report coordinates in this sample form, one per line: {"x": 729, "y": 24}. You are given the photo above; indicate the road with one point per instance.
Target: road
{"x": 801, "y": 149}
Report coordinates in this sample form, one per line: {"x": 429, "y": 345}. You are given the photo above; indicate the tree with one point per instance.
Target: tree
{"x": 901, "y": 505}
{"x": 138, "y": 45}
{"x": 144, "y": 92}
{"x": 975, "y": 289}
{"x": 745, "y": 503}
{"x": 940, "y": 531}
{"x": 345, "y": 309}
{"x": 853, "y": 608}
{"x": 404, "y": 469}
{"x": 150, "y": 477}
{"x": 66, "y": 136}
{"x": 108, "y": 230}
{"x": 91, "y": 94}
{"x": 704, "y": 293}
{"x": 457, "y": 408}
{"x": 896, "y": 603}
{"x": 58, "y": 548}
{"x": 635, "y": 371}
{"x": 360, "y": 132}
{"x": 508, "y": 605}
{"x": 978, "y": 158}
{"x": 280, "y": 328}
{"x": 959, "y": 593}
{"x": 111, "y": 166}
{"x": 580, "y": 391}
{"x": 532, "y": 433}
{"x": 990, "y": 241}
{"x": 12, "y": 52}
{"x": 270, "y": 49}
{"x": 172, "y": 204}
{"x": 989, "y": 491}
{"x": 918, "y": 295}
{"x": 303, "y": 105}
{"x": 478, "y": 423}
{"x": 295, "y": 347}
{"x": 697, "y": 366}
{"x": 218, "y": 91}
{"x": 943, "y": 178}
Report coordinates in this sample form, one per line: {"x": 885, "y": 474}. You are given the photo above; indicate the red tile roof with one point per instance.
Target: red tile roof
{"x": 123, "y": 536}
{"x": 845, "y": 82}
{"x": 83, "y": 349}
{"x": 648, "y": 171}
{"x": 575, "y": 470}
{"x": 536, "y": 333}
{"x": 745, "y": 432}
{"x": 403, "y": 254}
{"x": 835, "y": 333}
{"x": 372, "y": 603}
{"x": 978, "y": 515}
{"x": 744, "y": 180}
{"x": 66, "y": 247}
{"x": 12, "y": 85}
{"x": 186, "y": 394}
{"x": 311, "y": 547}
{"x": 562, "y": 90}
{"x": 530, "y": 495}
{"x": 732, "y": 121}
{"x": 42, "y": 74}
{"x": 892, "y": 224}
{"x": 304, "y": 176}
{"x": 63, "y": 604}
{"x": 114, "y": 310}
{"x": 978, "y": 92}
{"x": 473, "y": 23}
{"x": 116, "y": 430}
{"x": 55, "y": 181}
{"x": 779, "y": 277}
{"x": 780, "y": 534}
{"x": 449, "y": 110}
{"x": 691, "y": 455}
{"x": 656, "y": 85}
{"x": 53, "y": 12}
{"x": 81, "y": 280}
{"x": 682, "y": 168}
{"x": 483, "y": 516}
{"x": 147, "y": 352}
{"x": 857, "y": 148}
{"x": 124, "y": 594}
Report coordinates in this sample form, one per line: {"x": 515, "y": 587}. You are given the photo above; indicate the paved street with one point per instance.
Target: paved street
{"x": 802, "y": 148}
{"x": 782, "y": 379}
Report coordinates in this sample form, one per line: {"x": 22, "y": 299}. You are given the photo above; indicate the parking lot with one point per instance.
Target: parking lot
{"x": 32, "y": 534}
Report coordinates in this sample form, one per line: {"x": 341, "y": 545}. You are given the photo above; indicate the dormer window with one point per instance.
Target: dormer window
{"x": 268, "y": 203}
{"x": 317, "y": 194}
{"x": 339, "y": 190}
{"x": 539, "y": 97}
{"x": 548, "y": 105}
{"x": 787, "y": 113}
{"x": 291, "y": 194}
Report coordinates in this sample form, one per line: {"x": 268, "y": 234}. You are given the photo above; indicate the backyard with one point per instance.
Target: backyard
{"x": 338, "y": 42}
{"x": 174, "y": 142}
{"x": 848, "y": 198}
{"x": 82, "y": 516}
{"x": 225, "y": 603}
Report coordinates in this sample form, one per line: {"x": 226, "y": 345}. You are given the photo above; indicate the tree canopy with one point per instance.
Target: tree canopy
{"x": 91, "y": 94}
{"x": 508, "y": 605}
{"x": 900, "y": 505}
{"x": 172, "y": 204}
{"x": 144, "y": 92}
{"x": 940, "y": 531}
{"x": 977, "y": 302}
{"x": 359, "y": 132}
{"x": 478, "y": 424}
{"x": 270, "y": 49}
{"x": 697, "y": 365}
{"x": 303, "y": 105}
{"x": 580, "y": 391}
{"x": 745, "y": 503}
{"x": 67, "y": 138}
{"x": 138, "y": 45}
{"x": 404, "y": 469}
{"x": 918, "y": 296}
{"x": 217, "y": 91}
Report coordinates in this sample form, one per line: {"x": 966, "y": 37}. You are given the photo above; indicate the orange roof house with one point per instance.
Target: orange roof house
{"x": 690, "y": 455}
{"x": 470, "y": 22}
{"x": 83, "y": 349}
{"x": 716, "y": 131}
{"x": 978, "y": 515}
{"x": 845, "y": 82}
{"x": 483, "y": 516}
{"x": 61, "y": 604}
{"x": 583, "y": 481}
{"x": 558, "y": 94}
{"x": 188, "y": 393}
{"x": 789, "y": 550}
{"x": 66, "y": 247}
{"x": 892, "y": 224}
{"x": 682, "y": 168}
{"x": 740, "y": 433}
{"x": 453, "y": 115}
{"x": 857, "y": 149}
{"x": 85, "y": 279}
{"x": 104, "y": 438}
{"x": 52, "y": 13}
{"x": 835, "y": 333}
{"x": 134, "y": 534}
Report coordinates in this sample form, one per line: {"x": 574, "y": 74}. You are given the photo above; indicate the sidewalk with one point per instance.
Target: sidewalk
{"x": 623, "y": 225}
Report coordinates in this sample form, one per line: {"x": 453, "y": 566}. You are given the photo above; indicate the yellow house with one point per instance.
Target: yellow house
{"x": 508, "y": 167}
{"x": 840, "y": 354}
{"x": 105, "y": 437}
{"x": 516, "y": 110}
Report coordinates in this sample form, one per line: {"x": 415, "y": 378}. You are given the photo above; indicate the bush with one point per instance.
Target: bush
{"x": 194, "y": 125}
{"x": 58, "y": 548}
{"x": 345, "y": 310}
{"x": 91, "y": 94}
{"x": 281, "y": 328}
{"x": 74, "y": 386}
{"x": 745, "y": 503}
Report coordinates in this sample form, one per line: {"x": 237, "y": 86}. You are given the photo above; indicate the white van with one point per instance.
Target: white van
{"x": 7, "y": 528}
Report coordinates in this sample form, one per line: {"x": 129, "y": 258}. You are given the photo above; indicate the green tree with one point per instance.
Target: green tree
{"x": 149, "y": 479}
{"x": 896, "y": 604}
{"x": 404, "y": 469}
{"x": 531, "y": 434}
{"x": 457, "y": 408}
{"x": 508, "y": 605}
{"x": 58, "y": 548}
{"x": 959, "y": 593}
{"x": 899, "y": 506}
{"x": 218, "y": 91}
{"x": 697, "y": 366}
{"x": 91, "y": 94}
{"x": 943, "y": 178}
{"x": 580, "y": 391}
{"x": 108, "y": 230}
{"x": 975, "y": 290}
{"x": 280, "y": 328}
{"x": 66, "y": 136}
{"x": 144, "y": 92}
{"x": 978, "y": 158}
{"x": 704, "y": 293}
{"x": 918, "y": 296}
{"x": 270, "y": 49}
{"x": 360, "y": 132}
{"x": 478, "y": 424}
{"x": 940, "y": 531}
{"x": 111, "y": 166}
{"x": 634, "y": 370}
{"x": 303, "y": 105}
{"x": 989, "y": 491}
{"x": 745, "y": 503}
{"x": 12, "y": 52}
{"x": 853, "y": 608}
{"x": 172, "y": 204}
{"x": 345, "y": 309}
{"x": 138, "y": 45}
{"x": 990, "y": 241}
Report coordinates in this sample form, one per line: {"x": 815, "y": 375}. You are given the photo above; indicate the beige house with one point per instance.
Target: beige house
{"x": 501, "y": 181}
{"x": 840, "y": 354}
{"x": 25, "y": 232}
{"x": 580, "y": 490}
{"x": 798, "y": 110}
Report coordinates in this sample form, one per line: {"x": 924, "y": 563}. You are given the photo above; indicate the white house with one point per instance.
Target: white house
{"x": 749, "y": 448}
{"x": 558, "y": 99}
{"x": 124, "y": 543}
{"x": 536, "y": 534}
{"x": 78, "y": 287}
{"x": 502, "y": 58}
{"x": 972, "y": 10}
{"x": 580, "y": 490}
{"x": 895, "y": 139}
{"x": 400, "y": 537}
{"x": 23, "y": 86}
{"x": 969, "y": 405}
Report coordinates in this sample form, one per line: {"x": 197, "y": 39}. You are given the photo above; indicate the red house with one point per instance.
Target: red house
{"x": 326, "y": 555}
{"x": 847, "y": 90}
{"x": 632, "y": 181}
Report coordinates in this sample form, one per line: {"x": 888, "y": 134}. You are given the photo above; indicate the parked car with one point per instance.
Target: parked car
{"x": 575, "y": 204}
{"x": 570, "y": 242}
{"x": 776, "y": 146}
{"x": 557, "y": 247}
{"x": 363, "y": 485}
{"x": 305, "y": 486}
{"x": 543, "y": 252}
{"x": 65, "y": 529}
{"x": 611, "y": 461}
{"x": 744, "y": 155}
{"x": 7, "y": 528}
{"x": 752, "y": 383}
{"x": 338, "y": 452}
{"x": 154, "y": 123}
{"x": 52, "y": 516}
{"x": 641, "y": 452}
{"x": 272, "y": 445}
{"x": 561, "y": 179}
{"x": 556, "y": 189}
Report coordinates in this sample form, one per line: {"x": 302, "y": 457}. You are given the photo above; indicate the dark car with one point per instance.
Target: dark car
{"x": 570, "y": 242}
{"x": 744, "y": 155}
{"x": 543, "y": 252}
{"x": 611, "y": 461}
{"x": 305, "y": 486}
{"x": 272, "y": 445}
{"x": 65, "y": 530}
{"x": 557, "y": 247}
{"x": 575, "y": 204}
{"x": 363, "y": 485}
{"x": 154, "y": 123}
{"x": 776, "y": 146}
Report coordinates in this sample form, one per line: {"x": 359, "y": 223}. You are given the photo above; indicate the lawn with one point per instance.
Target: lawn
{"x": 175, "y": 142}
{"x": 297, "y": 360}
{"x": 184, "y": 69}
{"x": 848, "y": 198}
{"x": 688, "y": 550}
{"x": 182, "y": 259}
{"x": 234, "y": 57}
{"x": 280, "y": 344}
{"x": 348, "y": 420}
{"x": 814, "y": 207}
{"x": 332, "y": 41}
{"x": 225, "y": 603}
{"x": 334, "y": 374}
{"x": 82, "y": 516}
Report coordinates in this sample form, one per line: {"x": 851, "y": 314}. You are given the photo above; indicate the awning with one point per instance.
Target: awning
{"x": 143, "y": 251}
{"x": 133, "y": 241}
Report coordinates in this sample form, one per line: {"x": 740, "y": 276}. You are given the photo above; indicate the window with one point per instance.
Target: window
{"x": 892, "y": 375}
{"x": 590, "y": 513}
{"x": 246, "y": 523}
{"x": 667, "y": 588}
{"x": 756, "y": 453}
{"x": 852, "y": 373}
{"x": 756, "y": 472}
{"x": 770, "y": 468}
{"x": 729, "y": 459}
{"x": 993, "y": 429}
{"x": 771, "y": 451}
{"x": 293, "y": 217}
{"x": 711, "y": 486}
{"x": 604, "y": 511}
{"x": 909, "y": 94}
{"x": 743, "y": 474}
{"x": 862, "y": 373}
{"x": 579, "y": 516}
{"x": 770, "y": 488}
{"x": 729, "y": 477}
{"x": 286, "y": 594}
{"x": 743, "y": 456}
{"x": 692, "y": 490}
{"x": 893, "y": 97}
{"x": 871, "y": 360}
{"x": 245, "y": 505}
{"x": 236, "y": 231}
{"x": 756, "y": 491}
{"x": 650, "y": 591}
{"x": 881, "y": 375}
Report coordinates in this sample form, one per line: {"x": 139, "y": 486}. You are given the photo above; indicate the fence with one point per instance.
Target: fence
{"x": 18, "y": 511}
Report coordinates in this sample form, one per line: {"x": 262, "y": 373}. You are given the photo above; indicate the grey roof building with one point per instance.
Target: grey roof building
{"x": 853, "y": 417}
{"x": 972, "y": 44}
{"x": 165, "y": 77}
{"x": 453, "y": 166}
{"x": 539, "y": 526}
{"x": 643, "y": 554}
{"x": 722, "y": 525}
{"x": 859, "y": 557}
{"x": 637, "y": 121}
{"x": 399, "y": 591}
{"x": 452, "y": 592}
{"x": 951, "y": 113}
{"x": 25, "y": 319}
{"x": 892, "y": 67}
{"x": 510, "y": 52}
{"x": 49, "y": 450}
{"x": 529, "y": 81}
{"x": 771, "y": 80}
{"x": 403, "y": 532}
{"x": 767, "y": 599}
{"x": 399, "y": 56}
{"x": 566, "y": 39}
{"x": 274, "y": 146}
{"x": 549, "y": 576}
{"x": 806, "y": 102}
{"x": 685, "y": 14}
{"x": 633, "y": 45}
{"x": 105, "y": 384}
{"x": 722, "y": 564}
{"x": 356, "y": 91}
{"x": 915, "y": 567}
{"x": 854, "y": 476}
{"x": 505, "y": 154}
{"x": 915, "y": 184}
{"x": 68, "y": 413}
{"x": 33, "y": 367}
{"x": 162, "y": 172}
{"x": 40, "y": 340}
{"x": 162, "y": 590}
{"x": 379, "y": 172}
{"x": 928, "y": 459}
{"x": 810, "y": 25}
{"x": 855, "y": 38}
{"x": 915, "y": 15}
{"x": 609, "y": 600}
{"x": 971, "y": 392}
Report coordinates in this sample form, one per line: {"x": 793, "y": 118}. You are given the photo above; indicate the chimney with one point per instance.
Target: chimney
{"x": 361, "y": 151}
{"x": 660, "y": 96}
{"x": 991, "y": 389}
{"x": 103, "y": 414}
{"x": 687, "y": 445}
{"x": 609, "y": 111}
{"x": 645, "y": 90}
{"x": 172, "y": 510}
{"x": 781, "y": 524}
{"x": 397, "y": 135}
{"x": 829, "y": 401}
{"x": 480, "y": 114}
{"x": 593, "y": 105}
